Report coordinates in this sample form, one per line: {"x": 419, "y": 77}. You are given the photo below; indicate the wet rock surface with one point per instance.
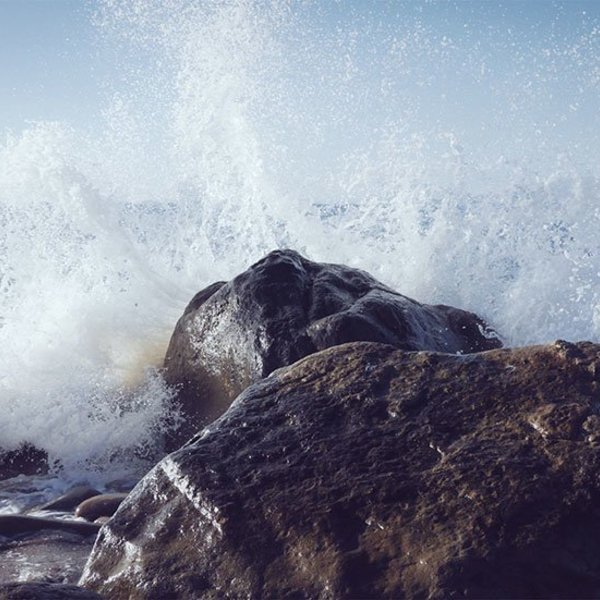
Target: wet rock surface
{"x": 50, "y": 555}
{"x": 45, "y": 541}
{"x": 286, "y": 307}
{"x": 70, "y": 499}
{"x": 103, "y": 505}
{"x": 11, "y": 525}
{"x": 365, "y": 471}
{"x": 44, "y": 591}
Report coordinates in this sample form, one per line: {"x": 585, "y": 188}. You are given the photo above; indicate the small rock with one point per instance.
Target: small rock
{"x": 70, "y": 499}
{"x": 11, "y": 525}
{"x": 103, "y": 505}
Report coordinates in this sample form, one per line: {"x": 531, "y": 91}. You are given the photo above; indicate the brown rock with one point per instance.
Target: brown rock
{"x": 70, "y": 499}
{"x": 103, "y": 505}
{"x": 286, "y": 307}
{"x": 364, "y": 471}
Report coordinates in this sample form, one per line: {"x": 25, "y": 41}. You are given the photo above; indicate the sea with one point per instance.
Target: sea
{"x": 451, "y": 149}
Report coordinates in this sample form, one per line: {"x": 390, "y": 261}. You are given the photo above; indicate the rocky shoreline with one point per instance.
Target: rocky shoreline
{"x": 341, "y": 440}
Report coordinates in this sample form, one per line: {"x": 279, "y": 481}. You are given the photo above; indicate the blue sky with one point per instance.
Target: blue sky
{"x": 48, "y": 62}
{"x": 55, "y": 65}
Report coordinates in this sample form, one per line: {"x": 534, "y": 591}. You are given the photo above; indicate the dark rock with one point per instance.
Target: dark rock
{"x": 18, "y": 524}
{"x": 54, "y": 556}
{"x": 70, "y": 499}
{"x": 104, "y": 505}
{"x": 42, "y": 590}
{"x": 364, "y": 471}
{"x": 202, "y": 296}
{"x": 286, "y": 307}
{"x": 24, "y": 460}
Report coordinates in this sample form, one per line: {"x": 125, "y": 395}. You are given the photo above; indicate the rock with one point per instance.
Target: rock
{"x": 18, "y": 524}
{"x": 70, "y": 499}
{"x": 104, "y": 505}
{"x": 51, "y": 555}
{"x": 364, "y": 471}
{"x": 286, "y": 307}
{"x": 24, "y": 460}
{"x": 42, "y": 590}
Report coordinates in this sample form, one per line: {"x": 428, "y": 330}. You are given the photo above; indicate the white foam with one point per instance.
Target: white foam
{"x": 238, "y": 127}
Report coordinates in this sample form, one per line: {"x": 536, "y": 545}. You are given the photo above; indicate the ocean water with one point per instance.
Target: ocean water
{"x": 449, "y": 149}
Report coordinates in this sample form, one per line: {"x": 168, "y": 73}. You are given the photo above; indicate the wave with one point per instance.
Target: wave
{"x": 235, "y": 128}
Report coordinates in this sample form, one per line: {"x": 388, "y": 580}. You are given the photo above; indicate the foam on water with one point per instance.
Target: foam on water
{"x": 455, "y": 165}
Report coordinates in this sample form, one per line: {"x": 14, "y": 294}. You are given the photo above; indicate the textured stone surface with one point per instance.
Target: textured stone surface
{"x": 55, "y": 556}
{"x": 364, "y": 471}
{"x": 286, "y": 307}
{"x": 41, "y": 590}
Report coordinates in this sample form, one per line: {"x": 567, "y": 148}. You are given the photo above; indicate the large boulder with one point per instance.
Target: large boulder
{"x": 364, "y": 471}
{"x": 286, "y": 307}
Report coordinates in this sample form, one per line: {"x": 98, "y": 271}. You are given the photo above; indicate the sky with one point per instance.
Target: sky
{"x": 56, "y": 65}
{"x": 48, "y": 62}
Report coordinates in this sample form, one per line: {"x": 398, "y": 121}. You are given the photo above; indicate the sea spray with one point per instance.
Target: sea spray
{"x": 454, "y": 161}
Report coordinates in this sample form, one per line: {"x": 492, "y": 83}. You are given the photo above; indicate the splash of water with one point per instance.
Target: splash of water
{"x": 453, "y": 165}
